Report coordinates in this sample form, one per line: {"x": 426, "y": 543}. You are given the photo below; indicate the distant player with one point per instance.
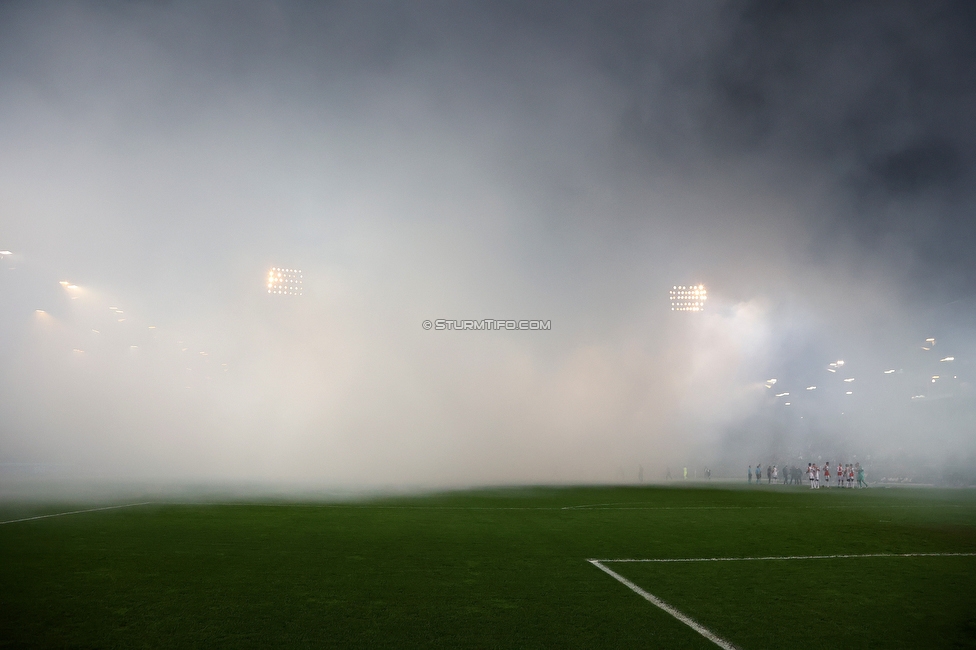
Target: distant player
{"x": 826, "y": 471}
{"x": 750, "y": 475}
{"x": 850, "y": 476}
{"x": 840, "y": 476}
{"x": 810, "y": 474}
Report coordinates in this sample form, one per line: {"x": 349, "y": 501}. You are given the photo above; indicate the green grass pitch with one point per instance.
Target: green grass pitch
{"x": 497, "y": 568}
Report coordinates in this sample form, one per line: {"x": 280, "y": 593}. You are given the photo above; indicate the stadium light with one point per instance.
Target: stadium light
{"x": 4, "y": 253}
{"x": 286, "y": 282}
{"x": 688, "y": 298}
{"x": 948, "y": 359}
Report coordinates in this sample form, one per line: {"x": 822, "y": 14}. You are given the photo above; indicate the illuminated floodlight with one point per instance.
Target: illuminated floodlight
{"x": 5, "y": 253}
{"x": 781, "y": 394}
{"x": 811, "y": 388}
{"x": 932, "y": 341}
{"x": 849, "y": 379}
{"x": 786, "y": 403}
{"x": 888, "y": 372}
{"x": 688, "y": 298}
{"x": 287, "y": 282}
{"x": 948, "y": 359}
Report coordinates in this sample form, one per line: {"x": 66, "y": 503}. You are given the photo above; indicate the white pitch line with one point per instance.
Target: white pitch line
{"x": 787, "y": 557}
{"x": 75, "y": 512}
{"x": 657, "y": 602}
{"x": 697, "y": 627}
{"x": 781, "y": 507}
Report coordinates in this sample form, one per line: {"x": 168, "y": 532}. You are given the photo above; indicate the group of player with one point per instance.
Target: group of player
{"x": 846, "y": 476}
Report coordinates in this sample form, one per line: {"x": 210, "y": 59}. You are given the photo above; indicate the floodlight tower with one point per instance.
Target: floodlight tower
{"x": 286, "y": 282}
{"x": 688, "y": 297}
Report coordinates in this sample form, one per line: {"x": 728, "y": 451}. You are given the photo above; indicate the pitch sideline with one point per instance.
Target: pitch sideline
{"x": 75, "y": 512}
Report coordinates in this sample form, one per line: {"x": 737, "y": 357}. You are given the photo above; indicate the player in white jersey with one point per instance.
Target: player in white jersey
{"x": 826, "y": 471}
{"x": 810, "y": 474}
{"x": 840, "y": 476}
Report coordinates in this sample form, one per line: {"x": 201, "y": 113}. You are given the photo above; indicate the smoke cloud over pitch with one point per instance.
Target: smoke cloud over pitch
{"x": 812, "y": 167}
